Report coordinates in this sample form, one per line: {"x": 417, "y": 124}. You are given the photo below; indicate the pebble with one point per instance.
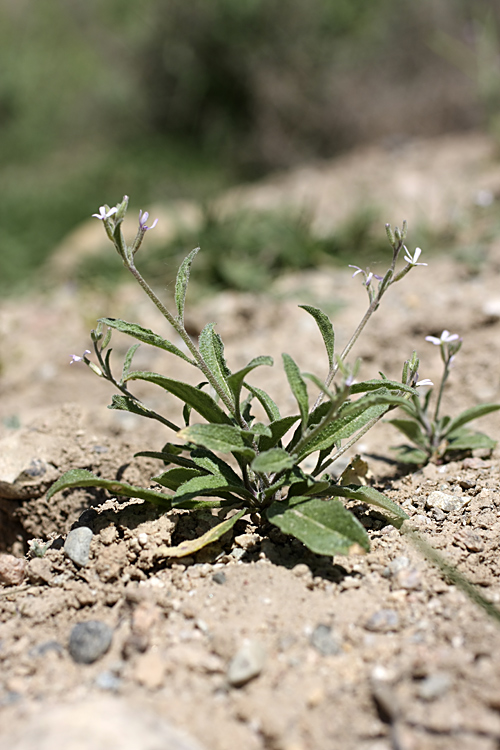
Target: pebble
{"x": 12, "y": 570}
{"x": 408, "y": 579}
{"x": 89, "y": 641}
{"x": 77, "y": 545}
{"x": 246, "y": 664}
{"x": 323, "y": 641}
{"x": 383, "y": 621}
{"x": 445, "y": 501}
{"x": 434, "y": 686}
{"x": 395, "y": 566}
{"x": 219, "y": 577}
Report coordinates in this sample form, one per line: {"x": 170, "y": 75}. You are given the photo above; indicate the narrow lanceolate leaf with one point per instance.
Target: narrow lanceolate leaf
{"x": 213, "y": 464}
{"x": 218, "y": 437}
{"x": 235, "y": 381}
{"x": 173, "y": 478}
{"x": 325, "y": 327}
{"x": 468, "y": 440}
{"x": 373, "y": 385}
{"x": 181, "y": 283}
{"x": 168, "y": 458}
{"x": 406, "y": 454}
{"x": 369, "y": 495}
{"x": 213, "y": 485}
{"x": 146, "y": 336}
{"x": 84, "y": 478}
{"x": 265, "y": 399}
{"x": 198, "y": 400}
{"x": 278, "y": 429}
{"x": 125, "y": 403}
{"x": 325, "y": 526}
{"x": 297, "y": 386}
{"x": 189, "y": 547}
{"x": 212, "y": 351}
{"x": 469, "y": 414}
{"x": 411, "y": 430}
{"x": 128, "y": 360}
{"x": 272, "y": 461}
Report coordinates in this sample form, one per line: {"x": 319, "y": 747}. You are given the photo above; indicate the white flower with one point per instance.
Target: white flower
{"x": 76, "y": 358}
{"x": 445, "y": 338}
{"x": 412, "y": 259}
{"x": 426, "y": 381}
{"x": 143, "y": 217}
{"x": 103, "y": 214}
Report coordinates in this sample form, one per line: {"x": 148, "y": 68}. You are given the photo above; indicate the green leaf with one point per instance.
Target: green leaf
{"x": 272, "y": 461}
{"x": 468, "y": 440}
{"x": 326, "y": 329}
{"x": 369, "y": 495}
{"x": 173, "y": 478}
{"x": 146, "y": 336}
{"x": 168, "y": 458}
{"x": 270, "y": 407}
{"x": 405, "y": 454}
{"x": 128, "y": 360}
{"x": 208, "y": 484}
{"x": 235, "y": 381}
{"x": 373, "y": 385}
{"x": 125, "y": 403}
{"x": 212, "y": 351}
{"x": 200, "y": 401}
{"x": 297, "y": 386}
{"x": 324, "y": 526}
{"x": 182, "y": 281}
{"x": 211, "y": 463}
{"x": 190, "y": 546}
{"x": 222, "y": 438}
{"x": 278, "y": 429}
{"x": 84, "y": 478}
{"x": 469, "y": 414}
{"x": 411, "y": 430}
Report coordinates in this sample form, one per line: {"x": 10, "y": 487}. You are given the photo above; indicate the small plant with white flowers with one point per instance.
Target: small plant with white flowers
{"x": 236, "y": 459}
{"x": 436, "y": 438}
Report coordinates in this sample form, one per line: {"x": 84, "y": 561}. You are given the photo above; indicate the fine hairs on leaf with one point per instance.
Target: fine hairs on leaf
{"x": 226, "y": 457}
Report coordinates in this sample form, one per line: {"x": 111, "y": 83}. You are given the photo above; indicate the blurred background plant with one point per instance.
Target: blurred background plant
{"x": 173, "y": 99}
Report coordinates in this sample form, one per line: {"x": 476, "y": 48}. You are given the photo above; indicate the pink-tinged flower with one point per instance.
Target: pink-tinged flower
{"x": 143, "y": 217}
{"x": 103, "y": 214}
{"x": 426, "y": 381}
{"x": 76, "y": 358}
{"x": 445, "y": 338}
{"x": 412, "y": 259}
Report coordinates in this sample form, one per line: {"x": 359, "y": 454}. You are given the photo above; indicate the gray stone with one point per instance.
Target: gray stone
{"x": 383, "y": 621}
{"x": 89, "y": 641}
{"x": 323, "y": 640}
{"x": 247, "y": 664}
{"x": 77, "y": 545}
{"x": 434, "y": 686}
{"x": 219, "y": 577}
{"x": 445, "y": 501}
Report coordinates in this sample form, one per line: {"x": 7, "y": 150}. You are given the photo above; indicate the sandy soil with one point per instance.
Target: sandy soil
{"x": 372, "y": 652}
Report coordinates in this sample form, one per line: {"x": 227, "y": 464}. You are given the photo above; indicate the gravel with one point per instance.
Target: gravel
{"x": 89, "y": 641}
{"x": 77, "y": 545}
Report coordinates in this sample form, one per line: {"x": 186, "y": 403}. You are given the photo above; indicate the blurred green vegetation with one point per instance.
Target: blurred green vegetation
{"x": 165, "y": 99}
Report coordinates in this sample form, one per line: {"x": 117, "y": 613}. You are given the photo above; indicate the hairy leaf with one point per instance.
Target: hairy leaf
{"x": 84, "y": 478}
{"x": 212, "y": 351}
{"x": 468, "y": 440}
{"x": 272, "y": 461}
{"x": 373, "y": 385}
{"x": 200, "y": 401}
{"x": 190, "y": 546}
{"x": 324, "y": 526}
{"x": 127, "y": 362}
{"x": 218, "y": 437}
{"x": 265, "y": 399}
{"x": 411, "y": 430}
{"x": 146, "y": 336}
{"x": 469, "y": 414}
{"x": 173, "y": 478}
{"x": 235, "y": 381}
{"x": 406, "y": 454}
{"x": 181, "y": 283}
{"x": 208, "y": 484}
{"x": 297, "y": 386}
{"x": 125, "y": 403}
{"x": 326, "y": 329}
{"x": 278, "y": 429}
{"x": 371, "y": 496}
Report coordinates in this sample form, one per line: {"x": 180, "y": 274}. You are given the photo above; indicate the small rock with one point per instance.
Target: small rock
{"x": 395, "y": 566}
{"x": 219, "y": 577}
{"x": 383, "y": 621}
{"x": 39, "y": 571}
{"x": 323, "y": 640}
{"x": 446, "y": 502}
{"x": 12, "y": 570}
{"x": 77, "y": 545}
{"x": 150, "y": 671}
{"x": 89, "y": 641}
{"x": 408, "y": 579}
{"x": 246, "y": 664}
{"x": 434, "y": 686}
{"x": 108, "y": 681}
